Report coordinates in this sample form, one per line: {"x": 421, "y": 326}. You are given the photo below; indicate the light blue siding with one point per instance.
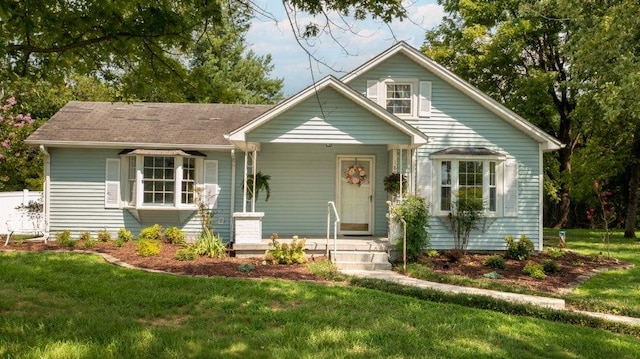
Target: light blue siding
{"x": 339, "y": 121}
{"x": 456, "y": 120}
{"x": 77, "y": 196}
{"x": 303, "y": 180}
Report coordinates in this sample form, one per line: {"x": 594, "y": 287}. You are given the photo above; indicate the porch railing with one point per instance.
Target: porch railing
{"x": 331, "y": 206}
{"x": 393, "y": 213}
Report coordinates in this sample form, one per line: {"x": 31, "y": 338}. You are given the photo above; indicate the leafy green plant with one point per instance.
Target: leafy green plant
{"x": 246, "y": 268}
{"x": 555, "y": 252}
{"x": 148, "y": 247}
{"x": 64, "y": 238}
{"x": 325, "y": 270}
{"x": 174, "y": 235}
{"x": 210, "y": 244}
{"x": 262, "y": 184}
{"x": 119, "y": 242}
{"x": 534, "y": 270}
{"x": 433, "y": 253}
{"x": 284, "y": 253}
{"x": 85, "y": 236}
{"x": 495, "y": 262}
{"x": 550, "y": 266}
{"x": 414, "y": 211}
{"x": 104, "y": 236}
{"x": 465, "y": 216}
{"x": 152, "y": 232}
{"x": 392, "y": 183}
{"x": 90, "y": 243}
{"x": 124, "y": 235}
{"x": 518, "y": 250}
{"x": 187, "y": 253}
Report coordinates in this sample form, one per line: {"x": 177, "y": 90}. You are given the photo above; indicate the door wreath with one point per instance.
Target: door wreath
{"x": 356, "y": 174}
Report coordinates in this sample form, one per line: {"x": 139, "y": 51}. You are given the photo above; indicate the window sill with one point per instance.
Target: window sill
{"x": 165, "y": 215}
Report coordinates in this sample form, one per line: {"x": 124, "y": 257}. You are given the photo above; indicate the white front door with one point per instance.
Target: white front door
{"x": 355, "y": 189}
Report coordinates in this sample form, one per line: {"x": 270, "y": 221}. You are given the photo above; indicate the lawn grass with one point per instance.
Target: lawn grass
{"x": 66, "y": 305}
{"x": 616, "y": 291}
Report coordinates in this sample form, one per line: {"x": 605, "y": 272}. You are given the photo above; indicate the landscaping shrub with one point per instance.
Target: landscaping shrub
{"x": 153, "y": 232}
{"x": 187, "y": 253}
{"x": 433, "y": 253}
{"x": 148, "y": 247}
{"x": 85, "y": 236}
{"x": 518, "y": 250}
{"x": 119, "y": 242}
{"x": 210, "y": 244}
{"x": 465, "y": 216}
{"x": 104, "y": 236}
{"x": 124, "y": 235}
{"x": 174, "y": 235}
{"x": 414, "y": 211}
{"x": 555, "y": 252}
{"x": 534, "y": 270}
{"x": 325, "y": 270}
{"x": 283, "y": 253}
{"x": 495, "y": 262}
{"x": 64, "y": 238}
{"x": 550, "y": 266}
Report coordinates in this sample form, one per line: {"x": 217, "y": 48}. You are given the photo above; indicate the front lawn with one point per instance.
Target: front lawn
{"x": 66, "y": 305}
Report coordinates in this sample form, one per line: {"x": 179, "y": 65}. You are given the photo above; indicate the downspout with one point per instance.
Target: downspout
{"x": 46, "y": 187}
{"x": 233, "y": 195}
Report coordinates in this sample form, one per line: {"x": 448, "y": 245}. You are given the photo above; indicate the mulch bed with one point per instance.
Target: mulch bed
{"x": 574, "y": 268}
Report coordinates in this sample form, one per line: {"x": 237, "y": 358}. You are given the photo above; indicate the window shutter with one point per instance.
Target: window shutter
{"x": 372, "y": 90}
{"x": 510, "y": 188}
{"x": 112, "y": 183}
{"x": 211, "y": 188}
{"x": 424, "y": 102}
{"x": 423, "y": 180}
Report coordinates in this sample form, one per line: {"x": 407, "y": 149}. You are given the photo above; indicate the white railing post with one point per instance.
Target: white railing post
{"x": 332, "y": 206}
{"x": 393, "y": 213}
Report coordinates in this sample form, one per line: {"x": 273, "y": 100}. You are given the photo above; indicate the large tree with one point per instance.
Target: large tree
{"x": 515, "y": 51}
{"x": 605, "y": 52}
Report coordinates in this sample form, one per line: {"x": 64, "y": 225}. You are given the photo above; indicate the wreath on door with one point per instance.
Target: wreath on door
{"x": 356, "y": 174}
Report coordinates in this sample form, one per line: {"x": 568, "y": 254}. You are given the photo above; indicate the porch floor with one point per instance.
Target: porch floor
{"x": 317, "y": 246}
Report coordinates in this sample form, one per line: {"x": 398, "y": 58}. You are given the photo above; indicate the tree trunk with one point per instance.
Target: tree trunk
{"x": 564, "y": 159}
{"x": 634, "y": 181}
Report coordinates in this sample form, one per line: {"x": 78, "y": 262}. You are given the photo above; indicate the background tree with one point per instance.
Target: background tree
{"x": 515, "y": 51}
{"x": 605, "y": 52}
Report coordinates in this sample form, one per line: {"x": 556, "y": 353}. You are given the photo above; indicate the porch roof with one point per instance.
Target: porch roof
{"x": 329, "y": 122}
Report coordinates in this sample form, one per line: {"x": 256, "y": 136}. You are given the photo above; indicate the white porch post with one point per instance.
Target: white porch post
{"x": 254, "y": 159}
{"x": 244, "y": 182}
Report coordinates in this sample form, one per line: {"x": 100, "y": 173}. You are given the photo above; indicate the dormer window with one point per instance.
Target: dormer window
{"x": 403, "y": 97}
{"x": 398, "y": 99}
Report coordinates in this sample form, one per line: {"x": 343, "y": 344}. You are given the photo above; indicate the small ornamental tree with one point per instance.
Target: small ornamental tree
{"x": 20, "y": 165}
{"x": 465, "y": 216}
{"x": 604, "y": 216}
{"x": 415, "y": 212}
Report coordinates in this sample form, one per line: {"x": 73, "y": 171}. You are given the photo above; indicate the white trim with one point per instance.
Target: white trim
{"x": 548, "y": 142}
{"x": 121, "y": 145}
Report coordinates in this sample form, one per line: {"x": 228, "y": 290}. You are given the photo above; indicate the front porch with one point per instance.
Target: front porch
{"x": 347, "y": 252}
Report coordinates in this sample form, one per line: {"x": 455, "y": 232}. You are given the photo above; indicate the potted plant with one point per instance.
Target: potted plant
{"x": 262, "y": 183}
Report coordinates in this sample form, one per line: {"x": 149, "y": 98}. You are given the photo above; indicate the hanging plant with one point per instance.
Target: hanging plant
{"x": 262, "y": 183}
{"x": 356, "y": 174}
{"x": 392, "y": 183}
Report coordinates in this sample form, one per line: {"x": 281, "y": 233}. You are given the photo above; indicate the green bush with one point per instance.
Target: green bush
{"x": 90, "y": 243}
{"x": 85, "y": 236}
{"x": 187, "y": 253}
{"x": 119, "y": 242}
{"x": 555, "y": 252}
{"x": 148, "y": 247}
{"x": 550, "y": 266}
{"x": 153, "y": 232}
{"x": 534, "y": 270}
{"x": 325, "y": 270}
{"x": 64, "y": 238}
{"x": 104, "y": 236}
{"x": 433, "y": 253}
{"x": 495, "y": 262}
{"x": 124, "y": 235}
{"x": 174, "y": 235}
{"x": 211, "y": 245}
{"x": 520, "y": 250}
{"x": 414, "y": 211}
{"x": 284, "y": 253}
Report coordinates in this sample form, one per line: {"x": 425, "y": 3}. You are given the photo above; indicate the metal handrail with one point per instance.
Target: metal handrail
{"x": 393, "y": 212}
{"x": 331, "y": 205}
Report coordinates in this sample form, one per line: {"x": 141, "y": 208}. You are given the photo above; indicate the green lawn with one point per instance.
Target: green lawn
{"x": 616, "y": 292}
{"x": 64, "y": 305}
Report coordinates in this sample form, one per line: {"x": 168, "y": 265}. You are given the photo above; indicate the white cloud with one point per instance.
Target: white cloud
{"x": 343, "y": 51}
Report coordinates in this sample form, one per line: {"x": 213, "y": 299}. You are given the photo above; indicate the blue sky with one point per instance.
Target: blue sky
{"x": 365, "y": 40}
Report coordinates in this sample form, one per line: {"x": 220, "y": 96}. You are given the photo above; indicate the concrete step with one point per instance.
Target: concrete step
{"x": 360, "y": 260}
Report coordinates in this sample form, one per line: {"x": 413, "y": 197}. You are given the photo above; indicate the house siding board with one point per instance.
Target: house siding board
{"x": 77, "y": 196}
{"x": 303, "y": 180}
{"x": 456, "y": 120}
{"x": 339, "y": 121}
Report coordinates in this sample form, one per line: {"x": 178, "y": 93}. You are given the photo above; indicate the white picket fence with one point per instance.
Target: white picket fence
{"x": 8, "y": 203}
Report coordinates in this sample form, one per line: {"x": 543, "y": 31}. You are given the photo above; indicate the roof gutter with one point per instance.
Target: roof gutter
{"x": 120, "y": 145}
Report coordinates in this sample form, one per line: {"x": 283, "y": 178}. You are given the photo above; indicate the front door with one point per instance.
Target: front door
{"x": 355, "y": 189}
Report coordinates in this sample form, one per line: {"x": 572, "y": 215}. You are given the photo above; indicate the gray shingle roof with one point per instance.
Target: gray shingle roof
{"x": 145, "y": 123}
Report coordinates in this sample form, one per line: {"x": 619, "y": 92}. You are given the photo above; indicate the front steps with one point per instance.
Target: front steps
{"x": 360, "y": 260}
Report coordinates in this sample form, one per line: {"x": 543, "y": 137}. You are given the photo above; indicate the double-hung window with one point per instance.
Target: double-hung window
{"x": 461, "y": 175}
{"x": 403, "y": 97}
{"x": 398, "y": 98}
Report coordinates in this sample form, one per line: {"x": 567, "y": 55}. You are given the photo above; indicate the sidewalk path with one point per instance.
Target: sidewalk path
{"x": 553, "y": 303}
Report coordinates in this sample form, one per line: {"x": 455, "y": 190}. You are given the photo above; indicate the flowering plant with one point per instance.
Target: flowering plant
{"x": 356, "y": 174}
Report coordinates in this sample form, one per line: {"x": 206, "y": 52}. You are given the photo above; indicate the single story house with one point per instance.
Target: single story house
{"x": 131, "y": 165}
